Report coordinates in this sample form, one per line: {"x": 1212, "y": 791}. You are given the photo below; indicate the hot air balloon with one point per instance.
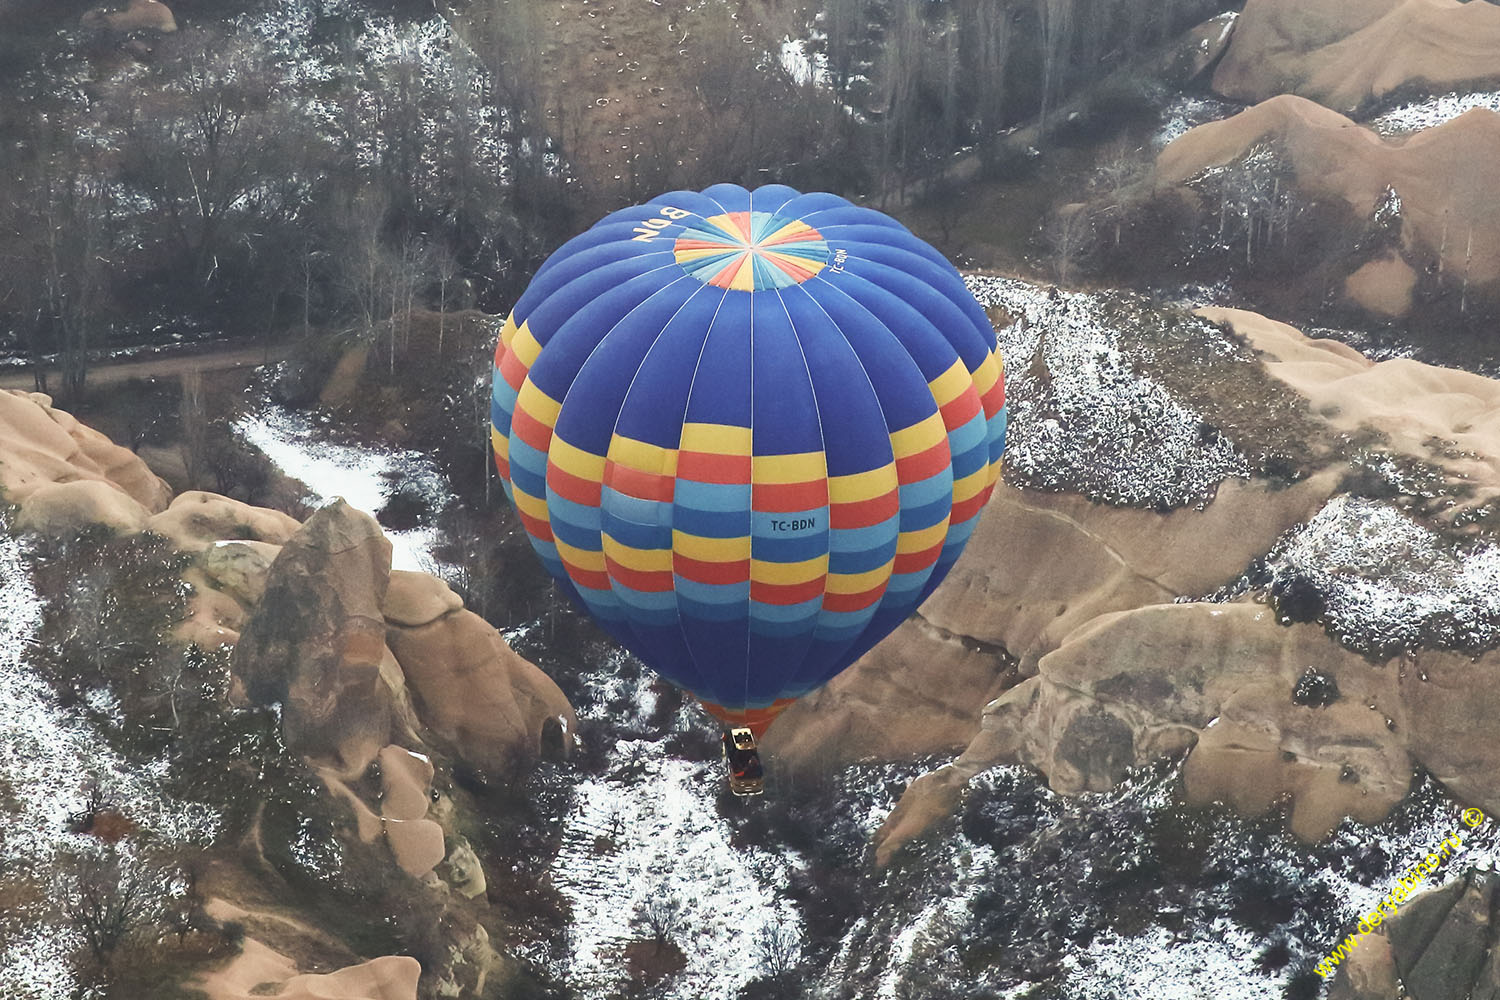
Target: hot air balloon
{"x": 749, "y": 432}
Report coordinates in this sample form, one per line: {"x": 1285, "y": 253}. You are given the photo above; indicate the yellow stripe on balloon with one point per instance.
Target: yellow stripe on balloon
{"x": 762, "y": 571}
{"x": 500, "y": 443}
{"x": 972, "y": 484}
{"x": 919, "y": 436}
{"x": 951, "y": 384}
{"x": 538, "y": 405}
{"x": 525, "y": 347}
{"x": 862, "y": 485}
{"x": 641, "y": 560}
{"x": 802, "y": 467}
{"x": 987, "y": 374}
{"x": 591, "y": 560}
{"x": 508, "y": 331}
{"x": 643, "y": 456}
{"x": 575, "y": 461}
{"x": 715, "y": 439}
{"x": 711, "y": 549}
{"x": 858, "y": 583}
{"x": 744, "y": 274}
{"x": 922, "y": 539}
{"x": 527, "y": 504}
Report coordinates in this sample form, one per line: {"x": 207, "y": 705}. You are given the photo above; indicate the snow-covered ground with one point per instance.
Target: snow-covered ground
{"x": 1185, "y": 111}
{"x": 1388, "y": 581}
{"x": 365, "y": 477}
{"x": 1083, "y": 418}
{"x": 648, "y": 832}
{"x": 1433, "y": 111}
{"x": 49, "y": 760}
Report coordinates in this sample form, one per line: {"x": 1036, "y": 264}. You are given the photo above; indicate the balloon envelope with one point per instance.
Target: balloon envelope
{"x": 749, "y": 432}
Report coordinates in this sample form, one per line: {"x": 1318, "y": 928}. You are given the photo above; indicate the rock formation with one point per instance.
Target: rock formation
{"x": 258, "y": 967}
{"x": 316, "y": 641}
{"x": 1443, "y": 176}
{"x": 494, "y": 707}
{"x": 141, "y": 15}
{"x": 1344, "y": 53}
{"x": 45, "y": 447}
{"x": 1440, "y": 945}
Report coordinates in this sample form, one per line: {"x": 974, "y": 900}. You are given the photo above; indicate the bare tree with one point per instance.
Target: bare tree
{"x": 662, "y": 917}
{"x": 108, "y": 894}
{"x": 776, "y": 949}
{"x": 193, "y": 415}
{"x": 1069, "y": 236}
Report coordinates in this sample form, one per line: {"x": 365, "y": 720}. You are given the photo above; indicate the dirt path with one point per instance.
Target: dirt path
{"x": 158, "y": 366}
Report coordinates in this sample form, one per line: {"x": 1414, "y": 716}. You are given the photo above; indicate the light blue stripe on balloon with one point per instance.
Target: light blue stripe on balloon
{"x": 717, "y": 497}
{"x": 926, "y": 491}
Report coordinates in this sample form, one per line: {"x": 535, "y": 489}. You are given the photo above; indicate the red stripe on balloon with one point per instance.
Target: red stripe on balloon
{"x": 924, "y": 464}
{"x": 531, "y": 430}
{"x": 700, "y": 571}
{"x": 638, "y": 484}
{"x": 512, "y": 370}
{"x": 593, "y": 579}
{"x": 571, "y": 487}
{"x": 537, "y": 528}
{"x": 640, "y": 580}
{"x": 913, "y": 562}
{"x": 863, "y": 513}
{"x": 965, "y": 509}
{"x": 784, "y": 594}
{"x": 961, "y": 409}
{"x": 789, "y": 498}
{"x": 994, "y": 400}
{"x": 854, "y": 602}
{"x": 708, "y": 467}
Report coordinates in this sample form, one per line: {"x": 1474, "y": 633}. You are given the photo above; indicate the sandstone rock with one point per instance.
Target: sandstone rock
{"x": 141, "y": 15}
{"x": 418, "y": 598}
{"x": 1440, "y": 945}
{"x": 214, "y": 618}
{"x": 195, "y": 520}
{"x": 1442, "y": 175}
{"x": 316, "y": 644}
{"x": 1344, "y": 53}
{"x": 392, "y": 977}
{"x": 406, "y": 787}
{"x": 239, "y": 569}
{"x": 62, "y": 508}
{"x": 1038, "y": 566}
{"x": 466, "y": 872}
{"x": 41, "y": 445}
{"x": 1132, "y": 686}
{"x": 1410, "y": 403}
{"x": 1384, "y": 286}
{"x": 495, "y": 708}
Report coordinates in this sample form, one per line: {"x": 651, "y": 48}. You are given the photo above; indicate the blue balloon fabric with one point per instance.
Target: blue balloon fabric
{"x": 748, "y": 432}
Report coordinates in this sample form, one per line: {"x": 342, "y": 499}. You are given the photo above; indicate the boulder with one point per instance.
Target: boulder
{"x": 392, "y": 977}
{"x": 1384, "y": 286}
{"x": 418, "y": 598}
{"x": 41, "y": 445}
{"x": 465, "y": 871}
{"x": 406, "y": 789}
{"x": 141, "y": 15}
{"x": 196, "y": 520}
{"x": 316, "y": 640}
{"x": 214, "y": 618}
{"x": 64, "y": 508}
{"x": 495, "y": 708}
{"x": 1346, "y": 53}
{"x": 239, "y": 568}
{"x": 1440, "y": 945}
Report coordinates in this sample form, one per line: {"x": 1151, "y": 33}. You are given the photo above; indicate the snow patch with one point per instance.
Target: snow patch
{"x": 365, "y": 477}
{"x": 1419, "y": 115}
